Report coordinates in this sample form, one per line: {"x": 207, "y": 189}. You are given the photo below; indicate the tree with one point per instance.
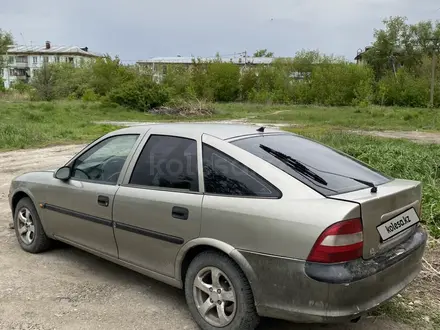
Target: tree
{"x": 44, "y": 82}
{"x": 108, "y": 73}
{"x": 263, "y": 53}
{"x": 401, "y": 44}
{"x": 6, "y": 39}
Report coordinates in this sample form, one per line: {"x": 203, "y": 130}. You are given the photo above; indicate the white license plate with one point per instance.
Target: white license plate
{"x": 398, "y": 224}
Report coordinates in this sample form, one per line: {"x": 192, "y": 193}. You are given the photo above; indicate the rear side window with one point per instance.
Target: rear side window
{"x": 167, "y": 162}
{"x": 224, "y": 175}
{"x": 330, "y": 171}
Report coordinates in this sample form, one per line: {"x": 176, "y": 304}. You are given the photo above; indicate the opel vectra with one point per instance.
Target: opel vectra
{"x": 248, "y": 221}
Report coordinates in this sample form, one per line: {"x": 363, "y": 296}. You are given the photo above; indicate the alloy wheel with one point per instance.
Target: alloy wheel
{"x": 25, "y": 226}
{"x": 214, "y": 296}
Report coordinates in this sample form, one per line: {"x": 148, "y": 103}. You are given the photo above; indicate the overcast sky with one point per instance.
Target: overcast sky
{"x": 139, "y": 29}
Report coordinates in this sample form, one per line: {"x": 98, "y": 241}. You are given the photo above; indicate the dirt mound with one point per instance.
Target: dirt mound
{"x": 186, "y": 109}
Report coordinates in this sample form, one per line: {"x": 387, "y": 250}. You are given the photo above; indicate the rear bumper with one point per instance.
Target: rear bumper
{"x": 297, "y": 291}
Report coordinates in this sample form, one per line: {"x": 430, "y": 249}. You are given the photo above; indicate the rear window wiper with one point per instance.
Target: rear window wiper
{"x": 364, "y": 182}
{"x": 367, "y": 183}
{"x": 294, "y": 164}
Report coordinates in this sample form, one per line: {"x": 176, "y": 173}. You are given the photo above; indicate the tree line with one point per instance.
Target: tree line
{"x": 396, "y": 71}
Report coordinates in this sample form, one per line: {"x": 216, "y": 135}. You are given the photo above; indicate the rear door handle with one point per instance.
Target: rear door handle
{"x": 103, "y": 200}
{"x": 180, "y": 213}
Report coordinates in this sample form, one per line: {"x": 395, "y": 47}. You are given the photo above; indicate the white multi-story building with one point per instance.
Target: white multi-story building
{"x": 21, "y": 62}
{"x": 159, "y": 65}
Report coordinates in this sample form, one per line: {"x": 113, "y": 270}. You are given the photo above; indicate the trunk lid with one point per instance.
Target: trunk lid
{"x": 395, "y": 209}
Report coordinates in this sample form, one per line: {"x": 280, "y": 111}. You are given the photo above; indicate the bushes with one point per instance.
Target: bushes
{"x": 403, "y": 89}
{"x": 140, "y": 94}
{"x": 224, "y": 81}
{"x": 341, "y": 84}
{"x": 309, "y": 78}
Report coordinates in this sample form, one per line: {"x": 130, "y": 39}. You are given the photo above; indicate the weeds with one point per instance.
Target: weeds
{"x": 365, "y": 118}
{"x": 24, "y": 125}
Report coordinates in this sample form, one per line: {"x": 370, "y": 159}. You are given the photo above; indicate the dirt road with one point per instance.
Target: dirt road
{"x": 70, "y": 289}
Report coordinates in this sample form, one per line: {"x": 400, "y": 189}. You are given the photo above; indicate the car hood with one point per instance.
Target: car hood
{"x": 33, "y": 175}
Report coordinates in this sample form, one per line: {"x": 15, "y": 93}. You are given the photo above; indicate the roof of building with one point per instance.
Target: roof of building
{"x": 221, "y": 131}
{"x": 54, "y": 49}
{"x": 189, "y": 60}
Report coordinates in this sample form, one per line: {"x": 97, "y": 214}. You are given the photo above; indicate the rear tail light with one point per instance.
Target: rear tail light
{"x": 340, "y": 242}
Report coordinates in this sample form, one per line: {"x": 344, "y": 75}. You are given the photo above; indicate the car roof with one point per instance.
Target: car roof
{"x": 221, "y": 131}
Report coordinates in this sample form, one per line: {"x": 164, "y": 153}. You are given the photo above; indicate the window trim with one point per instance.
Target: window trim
{"x": 251, "y": 171}
{"x": 72, "y": 162}
{"x": 176, "y": 190}
{"x": 165, "y": 189}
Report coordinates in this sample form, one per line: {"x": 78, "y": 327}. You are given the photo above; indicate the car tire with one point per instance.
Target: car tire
{"x": 241, "y": 317}
{"x": 36, "y": 242}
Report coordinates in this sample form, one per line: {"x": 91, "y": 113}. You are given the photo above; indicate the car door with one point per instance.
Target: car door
{"x": 80, "y": 210}
{"x": 158, "y": 206}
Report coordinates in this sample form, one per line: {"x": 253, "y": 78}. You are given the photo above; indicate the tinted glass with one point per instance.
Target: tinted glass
{"x": 104, "y": 162}
{"x": 225, "y": 176}
{"x": 168, "y": 162}
{"x": 327, "y": 163}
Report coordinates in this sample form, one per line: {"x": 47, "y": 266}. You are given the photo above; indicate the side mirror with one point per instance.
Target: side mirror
{"x": 63, "y": 173}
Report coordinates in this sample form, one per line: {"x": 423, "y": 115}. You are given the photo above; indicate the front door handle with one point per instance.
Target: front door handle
{"x": 103, "y": 200}
{"x": 180, "y": 213}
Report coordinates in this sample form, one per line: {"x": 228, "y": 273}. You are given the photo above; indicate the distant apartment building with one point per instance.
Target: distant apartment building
{"x": 21, "y": 62}
{"x": 159, "y": 65}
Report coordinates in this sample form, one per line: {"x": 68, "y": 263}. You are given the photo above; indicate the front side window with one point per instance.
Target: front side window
{"x": 167, "y": 162}
{"x": 224, "y": 175}
{"x": 322, "y": 168}
{"x": 104, "y": 161}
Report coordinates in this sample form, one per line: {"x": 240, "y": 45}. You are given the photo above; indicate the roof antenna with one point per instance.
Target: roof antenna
{"x": 261, "y": 129}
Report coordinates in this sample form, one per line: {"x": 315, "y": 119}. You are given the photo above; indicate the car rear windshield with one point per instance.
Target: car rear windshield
{"x": 322, "y": 168}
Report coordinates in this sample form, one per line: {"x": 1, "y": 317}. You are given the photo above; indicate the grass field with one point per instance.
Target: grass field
{"x": 31, "y": 124}
{"x": 371, "y": 118}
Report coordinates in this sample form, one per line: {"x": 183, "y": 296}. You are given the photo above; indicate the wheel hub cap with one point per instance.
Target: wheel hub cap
{"x": 26, "y": 228}
{"x": 214, "y": 296}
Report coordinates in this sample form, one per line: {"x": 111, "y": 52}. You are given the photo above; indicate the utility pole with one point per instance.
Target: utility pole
{"x": 431, "y": 98}
{"x": 435, "y": 42}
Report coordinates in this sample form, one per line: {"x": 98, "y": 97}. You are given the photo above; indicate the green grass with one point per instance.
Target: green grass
{"x": 370, "y": 118}
{"x": 36, "y": 124}
{"x": 397, "y": 158}
{"x": 30, "y": 124}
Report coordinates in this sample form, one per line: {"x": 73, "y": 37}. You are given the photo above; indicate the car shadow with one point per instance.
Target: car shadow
{"x": 125, "y": 278}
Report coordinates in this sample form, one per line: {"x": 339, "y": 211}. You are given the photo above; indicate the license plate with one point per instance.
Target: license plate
{"x": 398, "y": 224}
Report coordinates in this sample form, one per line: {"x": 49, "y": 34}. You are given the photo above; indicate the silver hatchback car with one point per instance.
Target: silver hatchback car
{"x": 248, "y": 221}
